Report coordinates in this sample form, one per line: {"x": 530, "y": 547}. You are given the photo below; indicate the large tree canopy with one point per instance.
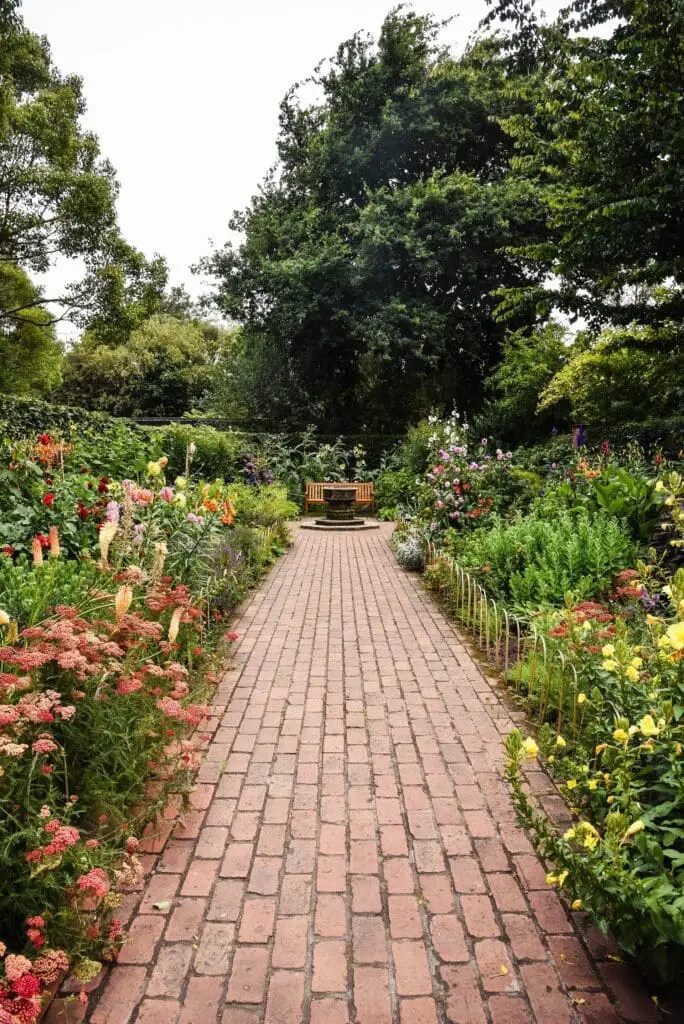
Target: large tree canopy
{"x": 57, "y": 193}
{"x": 365, "y": 276}
{"x": 30, "y": 355}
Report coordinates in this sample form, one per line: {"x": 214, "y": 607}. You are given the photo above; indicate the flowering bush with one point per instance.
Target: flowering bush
{"x": 105, "y": 665}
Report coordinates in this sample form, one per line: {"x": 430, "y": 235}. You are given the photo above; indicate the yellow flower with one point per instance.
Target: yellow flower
{"x": 660, "y": 486}
{"x": 560, "y": 742}
{"x": 636, "y": 826}
{"x": 593, "y": 784}
{"x": 551, "y": 879}
{"x": 653, "y": 620}
{"x": 607, "y": 650}
{"x": 550, "y": 759}
{"x": 610, "y": 665}
{"x": 581, "y": 698}
{"x": 153, "y": 469}
{"x": 590, "y": 842}
{"x": 181, "y": 499}
{"x": 561, "y": 878}
{"x": 576, "y": 904}
{"x": 530, "y": 748}
{"x": 648, "y": 726}
{"x": 601, "y": 747}
{"x": 632, "y": 673}
{"x": 586, "y": 626}
{"x": 620, "y": 736}
{"x": 675, "y": 635}
{"x": 637, "y": 662}
{"x": 4, "y": 618}
{"x": 571, "y": 783}
{"x": 570, "y": 834}
{"x": 181, "y": 483}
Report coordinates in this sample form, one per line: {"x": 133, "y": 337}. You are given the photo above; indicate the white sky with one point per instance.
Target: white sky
{"x": 184, "y": 99}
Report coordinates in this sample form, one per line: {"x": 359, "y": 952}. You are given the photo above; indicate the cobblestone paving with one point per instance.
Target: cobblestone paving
{"x": 352, "y": 855}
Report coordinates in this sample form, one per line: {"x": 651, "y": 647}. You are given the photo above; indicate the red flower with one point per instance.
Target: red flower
{"x": 27, "y": 985}
{"x": 48, "y": 499}
{"x": 44, "y": 439}
{"x": 84, "y": 469}
{"x": 44, "y": 541}
{"x": 8, "y": 550}
{"x": 231, "y": 636}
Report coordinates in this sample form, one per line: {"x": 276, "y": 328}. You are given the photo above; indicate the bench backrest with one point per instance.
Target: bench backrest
{"x": 364, "y": 491}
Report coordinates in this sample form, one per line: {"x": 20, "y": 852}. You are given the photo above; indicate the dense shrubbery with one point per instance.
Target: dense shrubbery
{"x": 115, "y": 582}
{"x": 585, "y": 547}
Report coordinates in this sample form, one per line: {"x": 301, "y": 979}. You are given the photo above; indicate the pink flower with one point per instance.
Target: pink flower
{"x": 166, "y": 494}
{"x": 96, "y": 881}
{"x": 44, "y": 745}
{"x": 15, "y": 966}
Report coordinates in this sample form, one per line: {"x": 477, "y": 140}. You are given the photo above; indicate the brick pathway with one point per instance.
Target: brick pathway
{"x": 353, "y": 854}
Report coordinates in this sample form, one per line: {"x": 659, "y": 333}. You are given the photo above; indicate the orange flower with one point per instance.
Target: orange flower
{"x": 210, "y": 504}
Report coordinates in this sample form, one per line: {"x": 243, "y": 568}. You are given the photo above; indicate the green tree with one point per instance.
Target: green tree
{"x": 165, "y": 368}
{"x": 600, "y": 137}
{"x": 30, "y": 355}
{"x": 369, "y": 258}
{"x": 630, "y": 374}
{"x": 529, "y": 362}
{"x": 58, "y": 195}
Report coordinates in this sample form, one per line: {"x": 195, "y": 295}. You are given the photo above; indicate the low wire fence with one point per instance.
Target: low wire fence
{"x": 529, "y": 665}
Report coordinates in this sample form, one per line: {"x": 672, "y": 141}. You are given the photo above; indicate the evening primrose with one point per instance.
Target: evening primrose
{"x": 530, "y": 748}
{"x": 610, "y": 665}
{"x": 620, "y": 736}
{"x": 560, "y": 742}
{"x": 648, "y": 727}
{"x": 608, "y": 650}
{"x": 571, "y": 784}
{"x": 581, "y": 698}
{"x": 632, "y": 674}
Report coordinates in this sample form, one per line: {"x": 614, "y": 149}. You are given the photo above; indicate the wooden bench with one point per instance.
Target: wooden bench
{"x": 365, "y": 493}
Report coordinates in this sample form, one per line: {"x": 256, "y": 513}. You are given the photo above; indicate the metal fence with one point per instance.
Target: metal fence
{"x": 528, "y": 664}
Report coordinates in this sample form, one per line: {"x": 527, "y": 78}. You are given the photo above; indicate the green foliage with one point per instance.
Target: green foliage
{"x": 266, "y": 505}
{"x": 529, "y": 361}
{"x": 364, "y": 280}
{"x": 534, "y": 563}
{"x": 30, "y": 355}
{"x": 629, "y": 374}
{"x": 165, "y": 367}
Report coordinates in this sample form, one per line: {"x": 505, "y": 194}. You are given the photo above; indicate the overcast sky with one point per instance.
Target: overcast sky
{"x": 184, "y": 98}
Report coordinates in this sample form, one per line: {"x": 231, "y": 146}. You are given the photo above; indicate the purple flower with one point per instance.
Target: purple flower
{"x": 138, "y": 531}
{"x": 483, "y": 442}
{"x": 113, "y": 512}
{"x": 192, "y": 518}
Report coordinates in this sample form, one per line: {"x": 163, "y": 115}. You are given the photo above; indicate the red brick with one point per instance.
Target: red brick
{"x": 285, "y": 997}
{"x": 291, "y": 942}
{"x": 176, "y": 855}
{"x": 523, "y": 937}
{"x": 202, "y": 1000}
{"x": 479, "y": 824}
{"x": 331, "y": 874}
{"x": 572, "y": 963}
{"x": 142, "y": 939}
{"x": 429, "y": 856}
{"x": 238, "y": 1015}
{"x": 332, "y": 840}
{"x": 466, "y": 875}
{"x": 405, "y": 922}
{"x": 531, "y": 871}
{"x": 597, "y": 1009}
{"x": 393, "y": 841}
{"x": 448, "y": 938}
{"x": 161, "y": 889}
{"x": 496, "y": 970}
{"x": 370, "y": 944}
{"x": 507, "y": 894}
{"x": 540, "y": 982}
{"x": 388, "y": 810}
{"x": 549, "y": 912}
{"x": 65, "y": 1011}
{"x": 158, "y": 1011}
{"x": 276, "y": 810}
{"x": 329, "y": 1011}
{"x": 398, "y": 876}
{"x": 508, "y": 1010}
{"x": 200, "y": 878}
{"x": 331, "y": 916}
{"x": 329, "y": 966}
{"x": 237, "y": 860}
{"x": 418, "y": 1011}
{"x": 264, "y": 875}
{"x": 215, "y": 948}
{"x": 252, "y": 798}
{"x": 257, "y": 921}
{"x": 301, "y": 857}
{"x": 464, "y": 1002}
{"x": 170, "y": 970}
{"x": 479, "y": 916}
{"x": 248, "y": 975}
{"x": 363, "y": 857}
{"x": 412, "y": 971}
{"x": 631, "y": 998}
{"x": 371, "y": 996}
{"x": 226, "y": 900}
{"x": 437, "y": 893}
{"x": 211, "y": 842}
{"x": 121, "y": 995}
{"x": 492, "y": 855}
{"x": 366, "y": 894}
{"x": 295, "y": 895}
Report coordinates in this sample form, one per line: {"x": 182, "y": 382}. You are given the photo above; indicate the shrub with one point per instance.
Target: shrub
{"x": 410, "y": 550}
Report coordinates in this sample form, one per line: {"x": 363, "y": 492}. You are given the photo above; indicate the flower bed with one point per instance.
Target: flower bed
{"x": 114, "y": 595}
{"x": 588, "y": 564}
